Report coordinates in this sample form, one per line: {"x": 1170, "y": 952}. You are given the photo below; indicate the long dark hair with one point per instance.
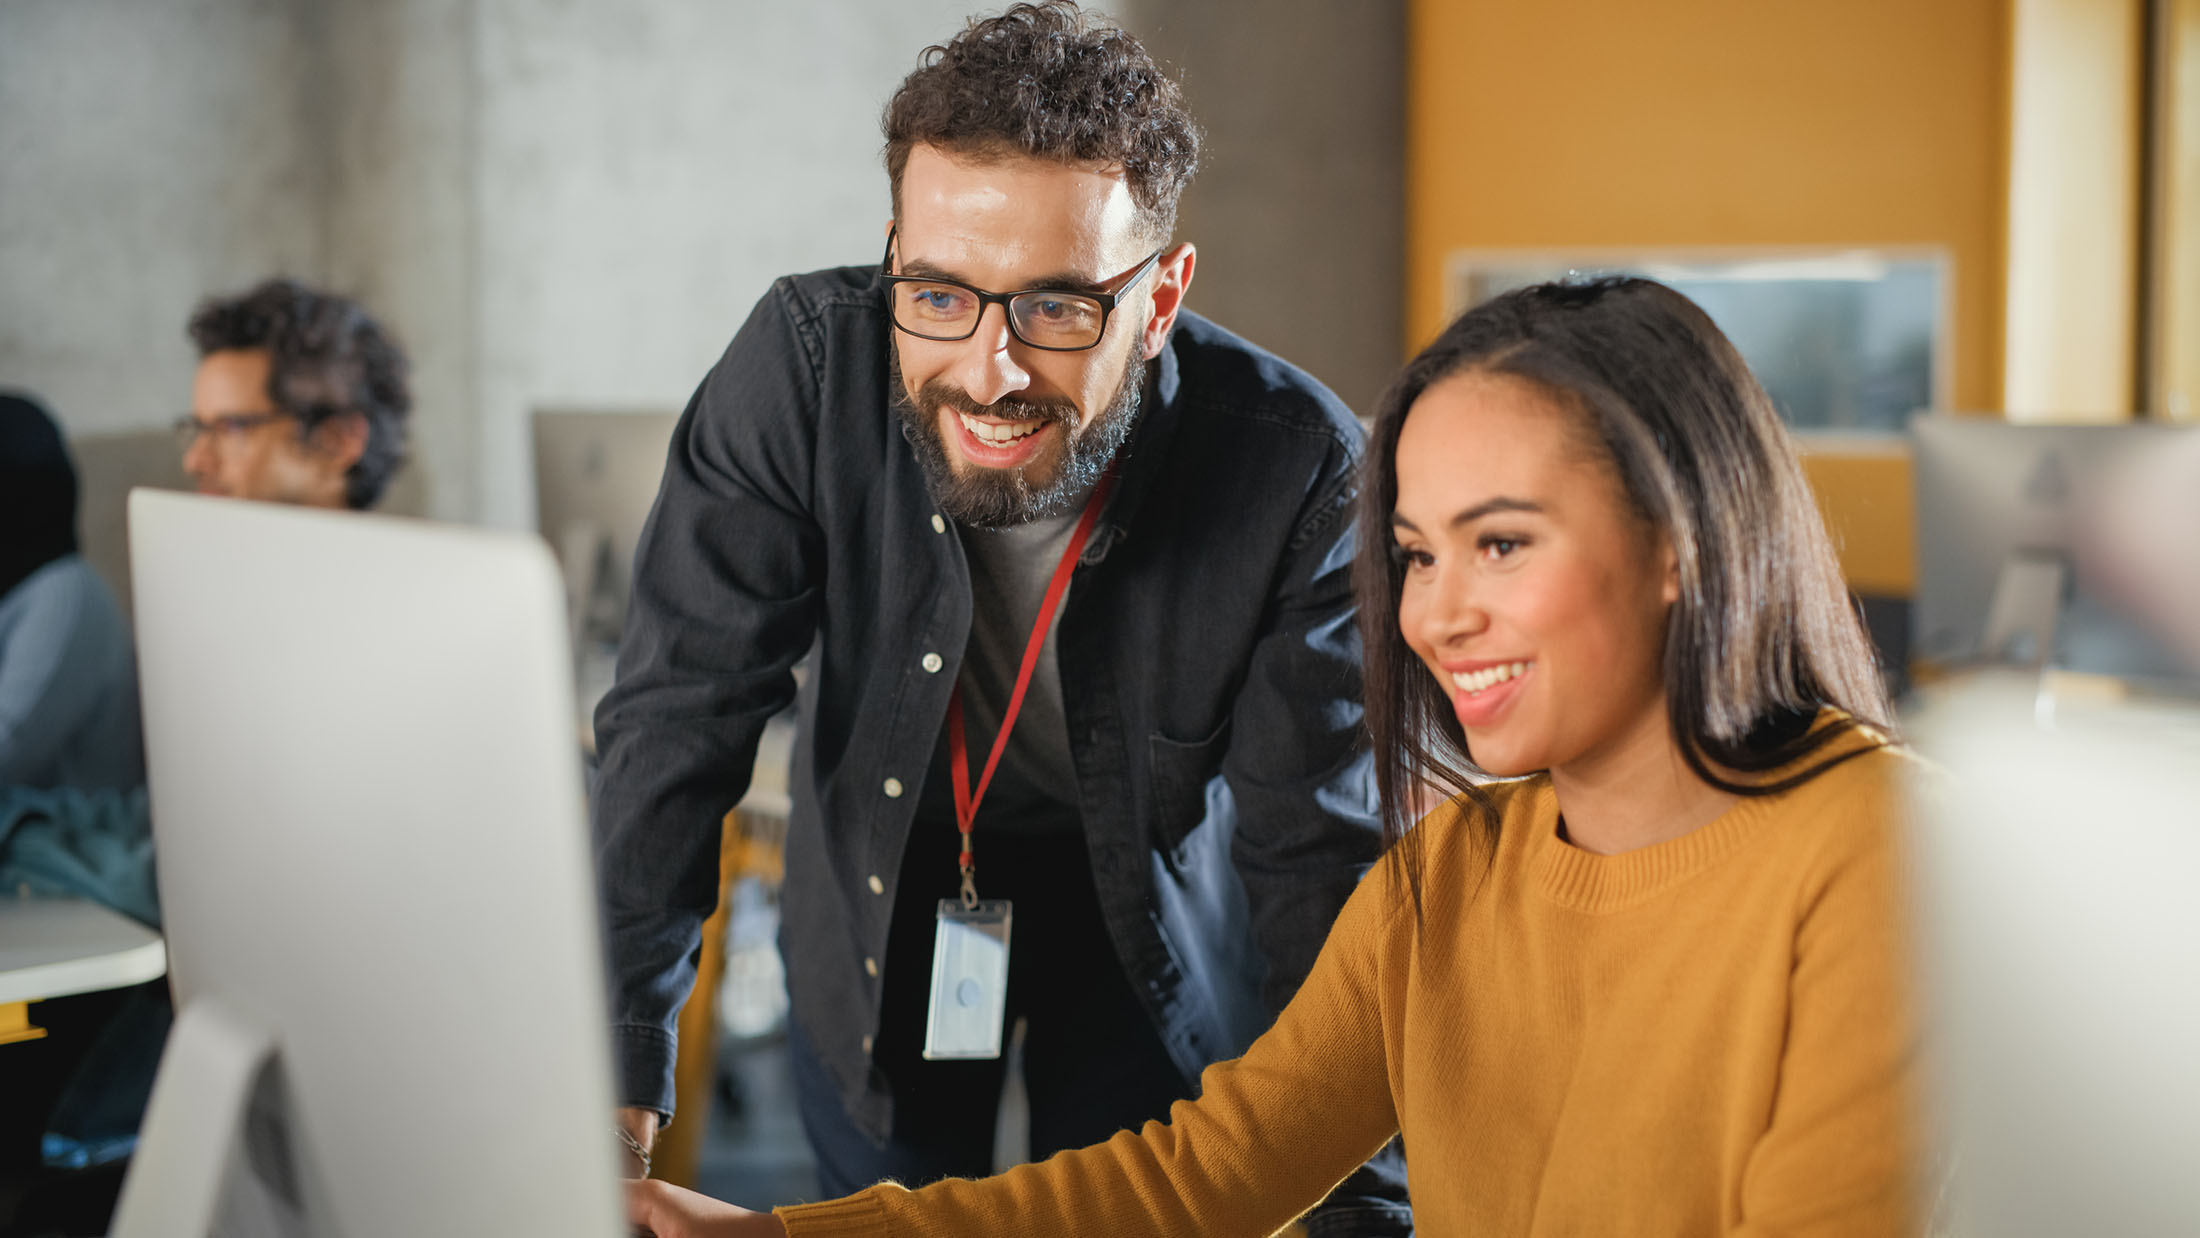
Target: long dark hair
{"x": 1764, "y": 635}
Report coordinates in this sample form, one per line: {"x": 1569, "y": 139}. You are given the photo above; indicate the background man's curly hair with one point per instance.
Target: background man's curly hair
{"x": 327, "y": 358}
{"x": 1047, "y": 80}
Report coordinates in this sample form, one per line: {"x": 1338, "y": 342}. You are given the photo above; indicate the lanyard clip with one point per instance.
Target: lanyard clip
{"x": 969, "y": 864}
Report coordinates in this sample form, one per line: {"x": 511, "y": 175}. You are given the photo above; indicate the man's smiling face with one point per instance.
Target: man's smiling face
{"x": 1008, "y": 432}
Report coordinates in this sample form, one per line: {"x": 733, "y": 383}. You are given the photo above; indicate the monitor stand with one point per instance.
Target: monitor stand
{"x": 595, "y": 596}
{"x": 214, "y": 1157}
{"x": 2028, "y": 600}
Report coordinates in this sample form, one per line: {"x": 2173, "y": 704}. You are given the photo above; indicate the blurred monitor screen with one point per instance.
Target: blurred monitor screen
{"x": 596, "y": 476}
{"x": 2002, "y": 510}
{"x": 1845, "y": 342}
{"x": 2059, "y": 941}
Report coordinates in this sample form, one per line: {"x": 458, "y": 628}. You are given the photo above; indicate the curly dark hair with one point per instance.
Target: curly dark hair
{"x": 1051, "y": 81}
{"x": 328, "y": 357}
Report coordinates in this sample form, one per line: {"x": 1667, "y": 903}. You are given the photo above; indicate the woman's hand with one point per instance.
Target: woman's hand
{"x": 668, "y": 1211}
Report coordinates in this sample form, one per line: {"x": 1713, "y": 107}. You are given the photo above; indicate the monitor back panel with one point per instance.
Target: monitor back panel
{"x": 1989, "y": 492}
{"x": 367, "y": 804}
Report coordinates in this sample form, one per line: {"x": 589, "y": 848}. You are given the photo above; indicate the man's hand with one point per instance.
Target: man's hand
{"x": 642, "y": 1125}
{"x": 668, "y": 1211}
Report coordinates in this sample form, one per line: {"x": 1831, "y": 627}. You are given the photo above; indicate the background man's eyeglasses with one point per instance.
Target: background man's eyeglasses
{"x": 1051, "y": 319}
{"x": 225, "y": 427}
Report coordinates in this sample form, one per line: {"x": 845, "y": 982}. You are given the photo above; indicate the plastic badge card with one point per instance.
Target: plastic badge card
{"x": 969, "y": 981}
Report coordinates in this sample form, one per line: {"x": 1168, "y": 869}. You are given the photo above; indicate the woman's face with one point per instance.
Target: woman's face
{"x": 1532, "y": 591}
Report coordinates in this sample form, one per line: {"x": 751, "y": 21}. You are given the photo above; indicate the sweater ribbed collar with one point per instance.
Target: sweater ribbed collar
{"x": 1587, "y": 881}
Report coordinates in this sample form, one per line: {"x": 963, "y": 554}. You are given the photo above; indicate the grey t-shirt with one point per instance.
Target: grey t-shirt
{"x": 1035, "y": 787}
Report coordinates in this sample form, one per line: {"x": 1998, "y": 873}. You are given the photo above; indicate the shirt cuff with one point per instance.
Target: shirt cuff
{"x": 644, "y": 1055}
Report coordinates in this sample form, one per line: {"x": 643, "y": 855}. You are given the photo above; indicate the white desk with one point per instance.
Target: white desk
{"x": 58, "y": 947}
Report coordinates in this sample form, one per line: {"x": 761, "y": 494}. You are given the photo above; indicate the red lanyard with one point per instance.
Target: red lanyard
{"x": 958, "y": 753}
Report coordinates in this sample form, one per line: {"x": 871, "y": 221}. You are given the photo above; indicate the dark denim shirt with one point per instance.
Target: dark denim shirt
{"x": 1210, "y": 676}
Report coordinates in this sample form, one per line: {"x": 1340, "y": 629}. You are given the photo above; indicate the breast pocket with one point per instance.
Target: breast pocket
{"x": 1181, "y": 772}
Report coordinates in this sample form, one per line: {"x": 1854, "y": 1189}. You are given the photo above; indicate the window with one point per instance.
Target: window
{"x": 1845, "y": 341}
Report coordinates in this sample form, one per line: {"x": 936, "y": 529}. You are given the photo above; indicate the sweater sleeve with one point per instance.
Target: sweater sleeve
{"x": 1839, "y": 1154}
{"x": 1268, "y": 1136}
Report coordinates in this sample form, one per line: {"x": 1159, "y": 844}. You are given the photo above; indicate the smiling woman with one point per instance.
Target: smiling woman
{"x": 1594, "y": 484}
{"x": 1528, "y": 579}
{"x": 1651, "y": 983}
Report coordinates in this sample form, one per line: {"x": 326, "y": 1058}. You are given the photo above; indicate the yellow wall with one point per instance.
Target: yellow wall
{"x": 1870, "y": 512}
{"x": 1723, "y": 122}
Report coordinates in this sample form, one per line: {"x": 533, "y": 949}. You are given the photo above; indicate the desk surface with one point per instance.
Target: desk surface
{"x": 57, "y": 947}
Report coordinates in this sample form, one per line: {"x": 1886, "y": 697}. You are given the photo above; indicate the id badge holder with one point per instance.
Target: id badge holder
{"x": 969, "y": 981}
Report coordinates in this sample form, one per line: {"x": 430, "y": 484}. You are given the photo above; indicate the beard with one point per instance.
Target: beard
{"x": 997, "y": 498}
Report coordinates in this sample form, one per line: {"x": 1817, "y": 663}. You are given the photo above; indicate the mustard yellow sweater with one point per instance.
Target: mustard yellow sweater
{"x": 1706, "y": 1036}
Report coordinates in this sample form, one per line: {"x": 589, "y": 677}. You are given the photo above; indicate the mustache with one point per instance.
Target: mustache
{"x": 939, "y": 393}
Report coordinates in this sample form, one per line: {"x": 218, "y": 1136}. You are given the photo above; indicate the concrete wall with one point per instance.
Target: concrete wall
{"x": 149, "y": 153}
{"x": 645, "y": 172}
{"x": 400, "y": 132}
{"x": 561, "y": 204}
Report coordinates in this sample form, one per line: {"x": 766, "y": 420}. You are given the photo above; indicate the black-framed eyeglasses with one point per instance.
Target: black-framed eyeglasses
{"x": 1050, "y": 319}
{"x": 225, "y": 427}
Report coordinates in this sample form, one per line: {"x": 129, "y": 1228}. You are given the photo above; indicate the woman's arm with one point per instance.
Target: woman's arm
{"x": 1839, "y": 1155}
{"x": 1267, "y": 1138}
{"x": 663, "y": 1210}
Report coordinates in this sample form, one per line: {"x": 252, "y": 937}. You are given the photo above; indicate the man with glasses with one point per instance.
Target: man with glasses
{"x": 300, "y": 397}
{"x": 1070, "y": 568}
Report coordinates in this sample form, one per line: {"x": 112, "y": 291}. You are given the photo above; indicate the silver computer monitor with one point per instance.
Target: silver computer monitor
{"x": 2060, "y": 946}
{"x": 596, "y": 476}
{"x": 375, "y": 880}
{"x": 2002, "y": 573}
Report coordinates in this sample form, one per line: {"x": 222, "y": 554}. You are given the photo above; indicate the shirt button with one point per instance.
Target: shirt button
{"x": 877, "y": 886}
{"x": 870, "y": 967}
{"x": 938, "y": 525}
{"x": 866, "y": 1045}
{"x": 893, "y": 788}
{"x": 932, "y": 663}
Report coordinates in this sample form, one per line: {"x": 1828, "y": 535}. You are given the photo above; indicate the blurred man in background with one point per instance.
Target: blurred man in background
{"x": 1004, "y": 475}
{"x": 300, "y": 397}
